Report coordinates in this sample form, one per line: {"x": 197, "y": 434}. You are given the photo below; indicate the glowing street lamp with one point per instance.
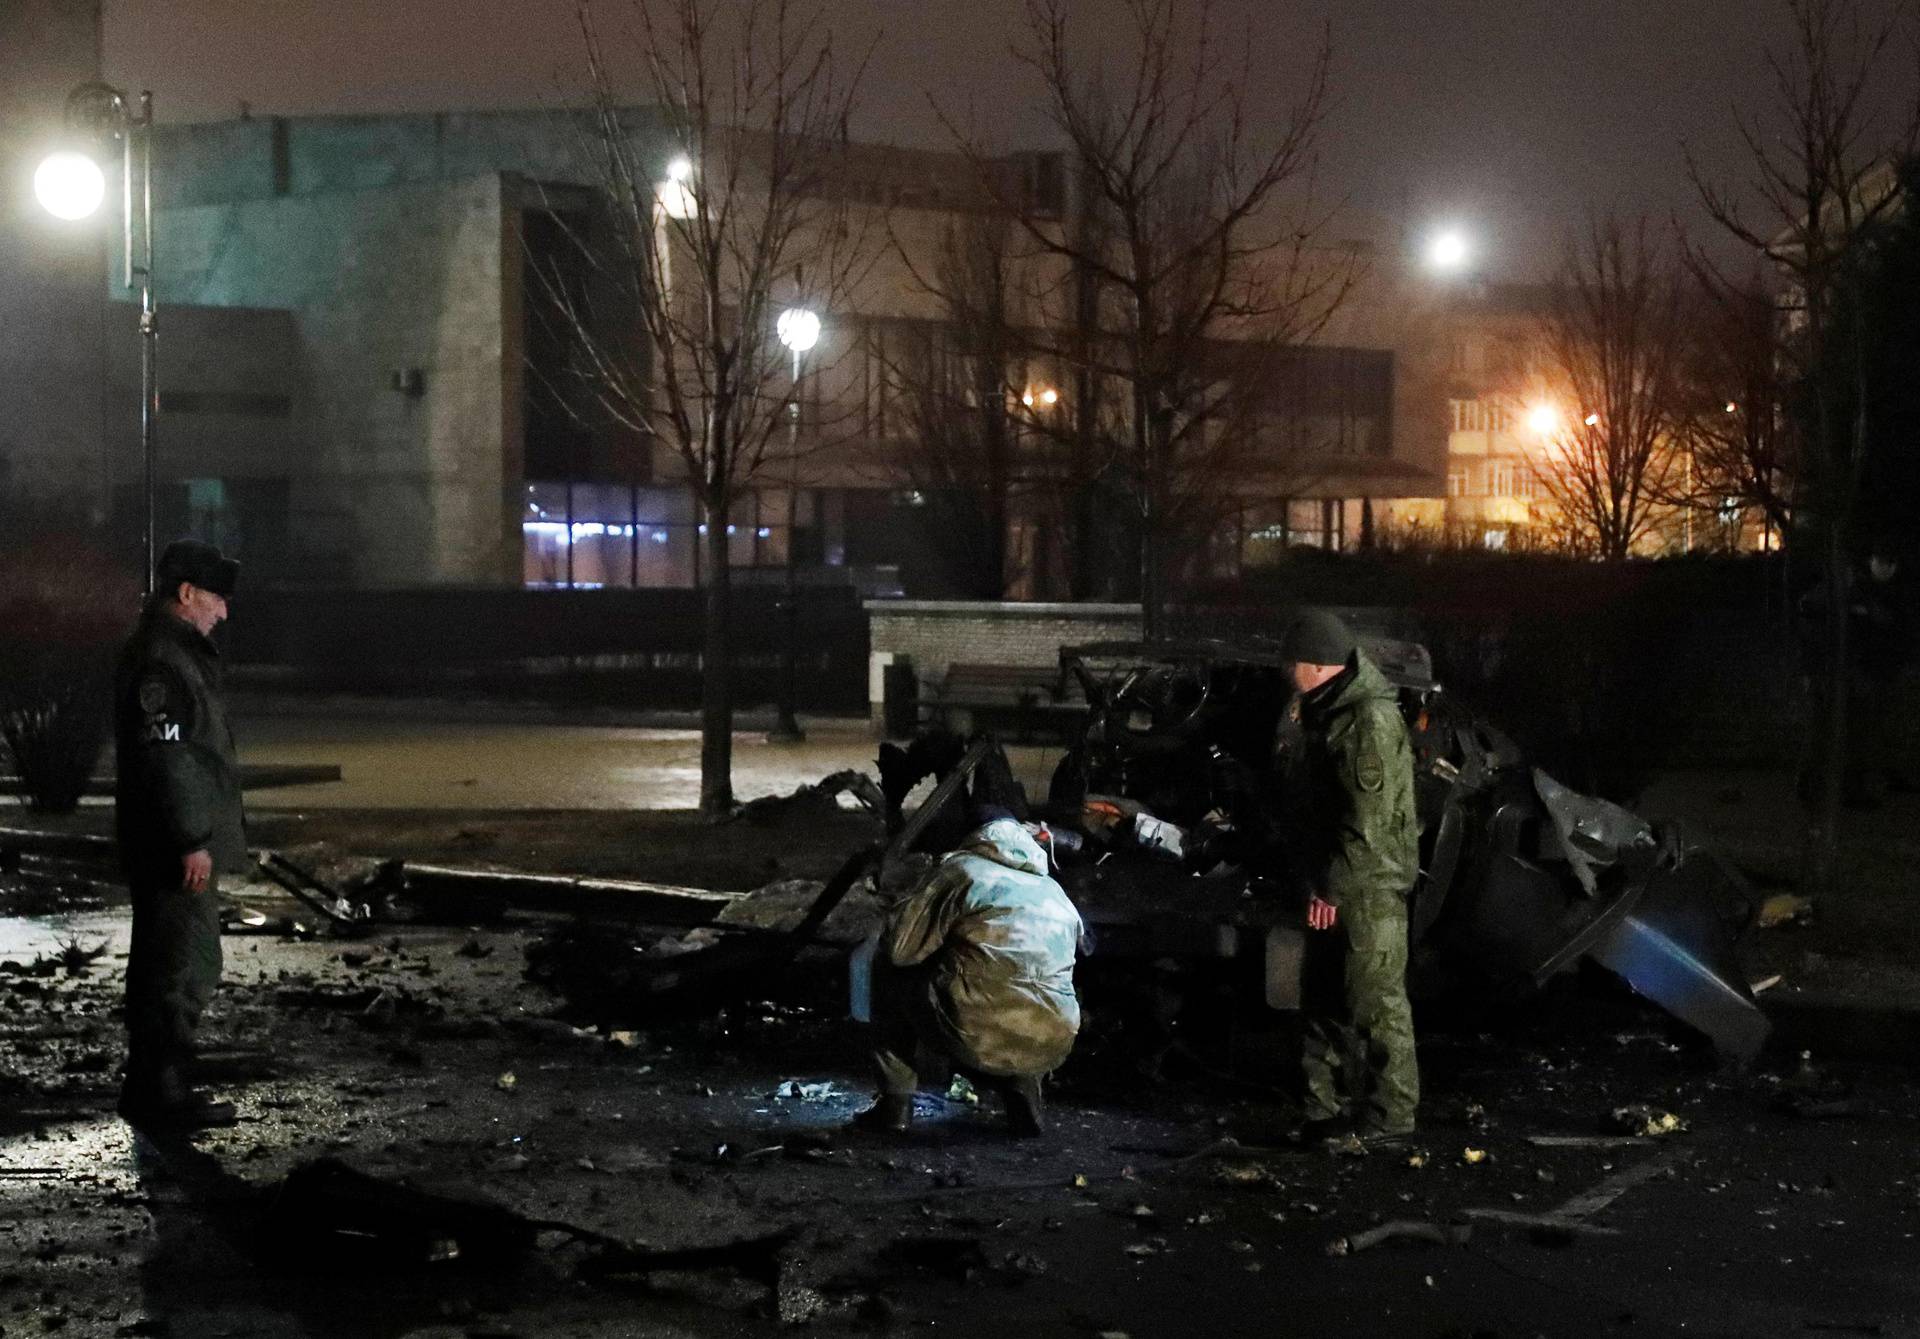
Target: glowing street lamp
{"x": 71, "y": 186}
{"x": 799, "y": 329}
{"x": 1543, "y": 419}
{"x": 675, "y": 194}
{"x": 1449, "y": 252}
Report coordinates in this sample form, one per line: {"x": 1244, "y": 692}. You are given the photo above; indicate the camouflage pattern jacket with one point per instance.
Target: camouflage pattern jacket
{"x": 1353, "y": 784}
{"x": 998, "y": 938}
{"x": 178, "y": 784}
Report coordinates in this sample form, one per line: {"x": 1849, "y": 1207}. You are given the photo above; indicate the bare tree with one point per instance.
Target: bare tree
{"x": 725, "y": 199}
{"x": 1175, "y": 247}
{"x": 1613, "y": 359}
{"x": 964, "y": 392}
{"x": 1740, "y": 449}
{"x": 1822, "y": 181}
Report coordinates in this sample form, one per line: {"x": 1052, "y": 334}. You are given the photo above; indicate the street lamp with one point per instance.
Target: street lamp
{"x": 798, "y": 329}
{"x": 71, "y": 186}
{"x": 1449, "y": 252}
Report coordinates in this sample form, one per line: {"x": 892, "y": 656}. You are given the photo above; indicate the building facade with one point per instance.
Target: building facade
{"x": 358, "y": 382}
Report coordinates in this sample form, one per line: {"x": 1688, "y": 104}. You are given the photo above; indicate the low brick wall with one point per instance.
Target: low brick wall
{"x": 934, "y": 635}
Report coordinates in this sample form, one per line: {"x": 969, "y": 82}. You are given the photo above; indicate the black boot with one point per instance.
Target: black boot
{"x": 159, "y": 1096}
{"x": 891, "y": 1113}
{"x": 1026, "y": 1113}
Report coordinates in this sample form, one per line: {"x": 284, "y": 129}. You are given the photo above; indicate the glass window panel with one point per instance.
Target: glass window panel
{"x": 666, "y": 554}
{"x": 543, "y": 529}
{"x": 666, "y": 506}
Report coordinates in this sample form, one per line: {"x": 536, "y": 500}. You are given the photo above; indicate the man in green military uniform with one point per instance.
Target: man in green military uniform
{"x": 178, "y": 819}
{"x": 1356, "y": 845}
{"x": 977, "y": 964}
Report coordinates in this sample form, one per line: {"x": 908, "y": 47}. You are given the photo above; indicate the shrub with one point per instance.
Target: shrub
{"x": 63, "y": 609}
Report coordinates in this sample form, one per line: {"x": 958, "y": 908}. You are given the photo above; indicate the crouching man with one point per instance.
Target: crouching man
{"x": 977, "y": 964}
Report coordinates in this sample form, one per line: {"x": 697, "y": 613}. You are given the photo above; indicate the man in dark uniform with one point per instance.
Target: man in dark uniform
{"x": 178, "y": 819}
{"x": 1356, "y": 846}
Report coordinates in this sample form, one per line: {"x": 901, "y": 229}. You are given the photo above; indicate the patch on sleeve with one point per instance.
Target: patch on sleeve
{"x": 1369, "y": 772}
{"x": 153, "y": 696}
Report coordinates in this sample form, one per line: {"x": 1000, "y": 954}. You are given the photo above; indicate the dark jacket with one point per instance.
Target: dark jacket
{"x": 178, "y": 786}
{"x": 1353, "y": 782}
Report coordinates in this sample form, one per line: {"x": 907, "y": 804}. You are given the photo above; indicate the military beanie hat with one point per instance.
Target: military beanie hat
{"x": 1317, "y": 637}
{"x": 198, "y": 562}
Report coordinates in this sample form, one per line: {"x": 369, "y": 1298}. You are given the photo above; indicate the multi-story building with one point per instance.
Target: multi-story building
{"x": 357, "y": 377}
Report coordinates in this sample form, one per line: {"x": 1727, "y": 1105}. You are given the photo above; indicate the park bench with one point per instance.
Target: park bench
{"x": 1025, "y": 703}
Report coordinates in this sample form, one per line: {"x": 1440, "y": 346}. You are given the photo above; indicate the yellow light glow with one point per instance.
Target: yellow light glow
{"x": 1732, "y": 407}
{"x": 1049, "y": 396}
{"x": 1543, "y": 418}
{"x": 1027, "y": 399}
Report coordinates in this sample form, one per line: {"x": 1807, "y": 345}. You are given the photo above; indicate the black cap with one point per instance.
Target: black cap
{"x": 198, "y": 562}
{"x": 1317, "y": 637}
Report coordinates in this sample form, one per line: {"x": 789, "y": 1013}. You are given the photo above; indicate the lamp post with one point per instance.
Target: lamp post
{"x": 71, "y": 186}
{"x": 799, "y": 330}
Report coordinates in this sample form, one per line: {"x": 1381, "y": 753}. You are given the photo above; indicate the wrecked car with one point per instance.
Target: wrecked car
{"x": 1521, "y": 878}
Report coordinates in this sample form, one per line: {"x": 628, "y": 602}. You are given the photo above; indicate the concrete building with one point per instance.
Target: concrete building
{"x": 357, "y": 380}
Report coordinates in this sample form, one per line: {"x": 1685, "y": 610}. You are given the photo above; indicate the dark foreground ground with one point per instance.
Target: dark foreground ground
{"x": 1787, "y": 1205}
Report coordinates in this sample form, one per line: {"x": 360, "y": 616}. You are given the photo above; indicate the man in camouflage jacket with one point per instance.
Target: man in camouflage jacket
{"x": 977, "y": 964}
{"x": 177, "y": 816}
{"x": 1356, "y": 844}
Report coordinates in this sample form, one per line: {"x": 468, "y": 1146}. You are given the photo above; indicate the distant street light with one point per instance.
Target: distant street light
{"x": 71, "y": 186}
{"x": 798, "y": 329}
{"x": 1449, "y": 252}
{"x": 1543, "y": 419}
{"x": 675, "y": 194}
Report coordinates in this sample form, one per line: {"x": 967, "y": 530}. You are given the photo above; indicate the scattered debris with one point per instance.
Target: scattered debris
{"x": 822, "y": 797}
{"x": 1582, "y": 1140}
{"x": 1546, "y": 1228}
{"x": 1402, "y": 1229}
{"x": 1783, "y": 909}
{"x": 1646, "y": 1121}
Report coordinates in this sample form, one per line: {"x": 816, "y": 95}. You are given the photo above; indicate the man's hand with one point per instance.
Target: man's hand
{"x": 1321, "y": 914}
{"x": 196, "y": 869}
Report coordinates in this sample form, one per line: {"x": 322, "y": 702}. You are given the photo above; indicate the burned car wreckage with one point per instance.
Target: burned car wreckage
{"x": 1521, "y": 878}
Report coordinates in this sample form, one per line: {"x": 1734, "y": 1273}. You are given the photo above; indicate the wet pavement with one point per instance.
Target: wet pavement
{"x": 1788, "y": 1204}
{"x": 397, "y": 763}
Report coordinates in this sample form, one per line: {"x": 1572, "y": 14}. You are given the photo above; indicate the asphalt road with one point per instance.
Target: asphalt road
{"x": 1751, "y": 1221}
{"x": 397, "y": 763}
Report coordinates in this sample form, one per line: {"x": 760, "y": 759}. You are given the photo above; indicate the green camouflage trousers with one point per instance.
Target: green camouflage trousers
{"x": 173, "y": 969}
{"x": 1358, "y": 1056}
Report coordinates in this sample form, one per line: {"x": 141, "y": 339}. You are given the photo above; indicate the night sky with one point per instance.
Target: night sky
{"x": 1509, "y": 117}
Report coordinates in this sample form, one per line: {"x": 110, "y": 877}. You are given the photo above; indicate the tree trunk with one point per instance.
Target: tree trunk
{"x": 1823, "y": 836}
{"x": 716, "y": 666}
